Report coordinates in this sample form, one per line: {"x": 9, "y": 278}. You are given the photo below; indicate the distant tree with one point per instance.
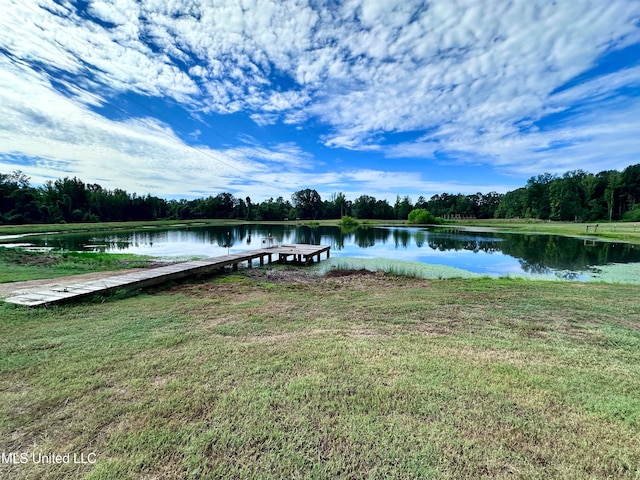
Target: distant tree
{"x": 307, "y": 203}
{"x": 339, "y": 204}
{"x": 464, "y": 205}
{"x": 364, "y": 207}
{"x": 631, "y": 186}
{"x": 538, "y": 195}
{"x": 441, "y": 205}
{"x": 513, "y": 204}
{"x": 488, "y": 204}
{"x": 382, "y": 210}
{"x": 632, "y": 215}
{"x": 178, "y": 209}
{"x": 421, "y": 202}
{"x": 577, "y": 195}
{"x": 19, "y": 201}
{"x": 241, "y": 209}
{"x": 592, "y": 206}
{"x": 567, "y": 197}
{"x": 612, "y": 193}
{"x": 402, "y": 207}
{"x": 271, "y": 209}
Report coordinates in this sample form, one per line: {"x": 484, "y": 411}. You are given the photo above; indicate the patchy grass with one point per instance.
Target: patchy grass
{"x": 354, "y": 376}
{"x": 107, "y": 226}
{"x": 17, "y": 264}
{"x": 395, "y": 267}
{"x": 612, "y": 273}
{"x": 623, "y": 231}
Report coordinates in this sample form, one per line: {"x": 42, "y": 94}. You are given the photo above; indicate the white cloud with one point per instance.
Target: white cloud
{"x": 471, "y": 78}
{"x": 138, "y": 155}
{"x": 367, "y": 65}
{"x": 474, "y": 73}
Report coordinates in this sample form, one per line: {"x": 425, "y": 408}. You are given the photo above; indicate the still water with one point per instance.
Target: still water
{"x": 480, "y": 252}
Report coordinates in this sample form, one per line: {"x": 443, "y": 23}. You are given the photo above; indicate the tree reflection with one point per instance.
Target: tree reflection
{"x": 536, "y": 254}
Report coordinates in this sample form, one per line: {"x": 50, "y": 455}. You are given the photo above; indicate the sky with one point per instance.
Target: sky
{"x": 261, "y": 98}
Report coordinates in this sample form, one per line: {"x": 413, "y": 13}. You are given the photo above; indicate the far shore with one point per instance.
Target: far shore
{"x": 602, "y": 230}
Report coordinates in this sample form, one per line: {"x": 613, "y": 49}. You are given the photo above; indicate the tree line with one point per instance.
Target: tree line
{"x": 574, "y": 196}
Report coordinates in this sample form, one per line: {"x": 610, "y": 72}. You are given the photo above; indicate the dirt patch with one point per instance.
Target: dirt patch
{"x": 282, "y": 275}
{"x": 348, "y": 273}
{"x": 20, "y": 257}
{"x": 360, "y": 279}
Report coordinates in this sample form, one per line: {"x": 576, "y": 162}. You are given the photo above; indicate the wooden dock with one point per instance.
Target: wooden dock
{"x": 155, "y": 276}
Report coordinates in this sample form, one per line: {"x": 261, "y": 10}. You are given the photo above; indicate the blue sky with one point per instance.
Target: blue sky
{"x": 261, "y": 98}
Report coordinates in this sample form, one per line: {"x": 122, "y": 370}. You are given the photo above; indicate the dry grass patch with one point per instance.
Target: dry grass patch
{"x": 355, "y": 376}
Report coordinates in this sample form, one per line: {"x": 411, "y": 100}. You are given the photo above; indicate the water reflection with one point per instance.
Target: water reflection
{"x": 488, "y": 253}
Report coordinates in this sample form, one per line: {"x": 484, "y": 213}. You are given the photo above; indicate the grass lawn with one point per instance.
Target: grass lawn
{"x": 362, "y": 376}
{"x": 107, "y": 226}
{"x": 622, "y": 231}
{"x": 17, "y": 264}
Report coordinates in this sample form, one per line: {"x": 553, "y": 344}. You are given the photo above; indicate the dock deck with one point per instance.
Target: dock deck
{"x": 155, "y": 276}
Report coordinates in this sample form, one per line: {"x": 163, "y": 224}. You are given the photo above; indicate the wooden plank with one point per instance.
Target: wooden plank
{"x": 159, "y": 275}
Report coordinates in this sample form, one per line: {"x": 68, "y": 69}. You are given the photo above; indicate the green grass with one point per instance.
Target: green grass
{"x": 102, "y": 226}
{"x": 17, "y": 264}
{"x": 396, "y": 267}
{"x": 371, "y": 376}
{"x": 623, "y": 231}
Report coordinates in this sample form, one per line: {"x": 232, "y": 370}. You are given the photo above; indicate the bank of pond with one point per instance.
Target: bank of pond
{"x": 420, "y": 251}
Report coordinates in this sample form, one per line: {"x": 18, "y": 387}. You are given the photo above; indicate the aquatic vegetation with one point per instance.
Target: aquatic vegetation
{"x": 347, "y": 221}
{"x": 616, "y": 273}
{"x": 396, "y": 267}
{"x": 613, "y": 273}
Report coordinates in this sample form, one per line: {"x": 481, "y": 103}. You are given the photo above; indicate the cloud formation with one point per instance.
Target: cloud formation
{"x": 468, "y": 83}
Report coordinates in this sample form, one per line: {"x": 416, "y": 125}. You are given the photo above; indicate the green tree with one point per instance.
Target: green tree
{"x": 382, "y": 210}
{"x": 631, "y": 186}
{"x": 612, "y": 193}
{"x": 402, "y": 207}
{"x": 364, "y": 207}
{"x": 271, "y": 209}
{"x": 538, "y": 195}
{"x": 19, "y": 201}
{"x": 307, "y": 203}
{"x": 421, "y": 202}
{"x": 567, "y": 197}
{"x": 339, "y": 200}
{"x": 488, "y": 204}
{"x": 513, "y": 204}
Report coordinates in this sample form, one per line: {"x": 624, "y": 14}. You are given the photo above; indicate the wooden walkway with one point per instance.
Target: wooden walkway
{"x": 154, "y": 276}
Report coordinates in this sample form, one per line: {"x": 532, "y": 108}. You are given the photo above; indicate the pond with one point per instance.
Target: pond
{"x": 495, "y": 254}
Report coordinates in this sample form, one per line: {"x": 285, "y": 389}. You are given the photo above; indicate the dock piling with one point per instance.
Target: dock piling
{"x": 300, "y": 252}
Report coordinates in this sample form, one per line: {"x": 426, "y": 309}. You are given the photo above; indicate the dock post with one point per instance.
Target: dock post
{"x": 286, "y": 254}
